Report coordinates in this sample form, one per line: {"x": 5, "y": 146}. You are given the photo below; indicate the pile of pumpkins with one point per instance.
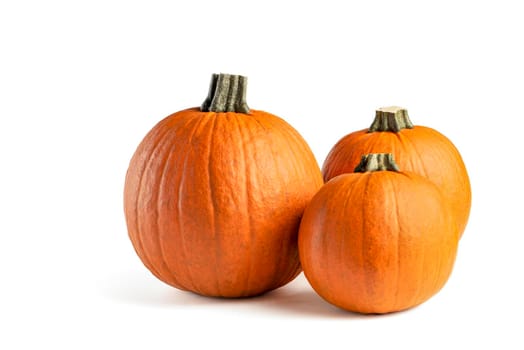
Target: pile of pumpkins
{"x": 227, "y": 201}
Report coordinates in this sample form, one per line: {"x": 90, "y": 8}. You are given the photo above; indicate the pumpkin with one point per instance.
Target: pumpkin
{"x": 419, "y": 149}
{"x": 377, "y": 240}
{"x": 214, "y": 195}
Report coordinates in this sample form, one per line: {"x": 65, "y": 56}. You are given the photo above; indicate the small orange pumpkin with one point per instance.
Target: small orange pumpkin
{"x": 377, "y": 240}
{"x": 419, "y": 149}
{"x": 214, "y": 195}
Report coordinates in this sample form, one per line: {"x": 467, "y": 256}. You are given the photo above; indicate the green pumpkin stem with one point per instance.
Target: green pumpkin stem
{"x": 376, "y": 162}
{"x": 227, "y": 93}
{"x": 391, "y": 119}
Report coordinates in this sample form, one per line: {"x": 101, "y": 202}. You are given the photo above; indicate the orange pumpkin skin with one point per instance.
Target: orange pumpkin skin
{"x": 421, "y": 150}
{"x": 213, "y": 201}
{"x": 377, "y": 242}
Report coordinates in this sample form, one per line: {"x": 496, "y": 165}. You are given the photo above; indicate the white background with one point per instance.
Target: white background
{"x": 82, "y": 82}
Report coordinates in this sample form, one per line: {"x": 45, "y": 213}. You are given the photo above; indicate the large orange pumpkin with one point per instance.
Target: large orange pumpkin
{"x": 214, "y": 195}
{"x": 377, "y": 240}
{"x": 419, "y": 149}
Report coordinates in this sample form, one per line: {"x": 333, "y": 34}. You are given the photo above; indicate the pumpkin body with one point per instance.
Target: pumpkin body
{"x": 421, "y": 150}
{"x": 213, "y": 201}
{"x": 377, "y": 242}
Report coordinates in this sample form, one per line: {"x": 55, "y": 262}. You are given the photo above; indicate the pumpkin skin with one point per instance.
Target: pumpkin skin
{"x": 213, "y": 201}
{"x": 377, "y": 242}
{"x": 417, "y": 149}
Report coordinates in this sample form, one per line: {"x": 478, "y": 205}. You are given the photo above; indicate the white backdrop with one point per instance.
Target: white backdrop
{"x": 82, "y": 82}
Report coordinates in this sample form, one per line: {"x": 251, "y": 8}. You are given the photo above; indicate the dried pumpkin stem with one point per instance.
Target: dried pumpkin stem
{"x": 376, "y": 162}
{"x": 227, "y": 93}
{"x": 391, "y": 119}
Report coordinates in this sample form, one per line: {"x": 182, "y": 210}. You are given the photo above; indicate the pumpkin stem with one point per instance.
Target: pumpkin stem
{"x": 227, "y": 93}
{"x": 391, "y": 119}
{"x": 376, "y": 162}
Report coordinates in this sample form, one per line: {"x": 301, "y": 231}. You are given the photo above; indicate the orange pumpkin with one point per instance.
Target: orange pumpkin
{"x": 419, "y": 149}
{"x": 214, "y": 195}
{"x": 377, "y": 240}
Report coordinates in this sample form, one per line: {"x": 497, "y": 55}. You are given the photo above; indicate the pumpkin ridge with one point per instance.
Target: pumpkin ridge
{"x": 289, "y": 272}
{"x": 367, "y": 287}
{"x": 459, "y": 168}
{"x": 242, "y": 156}
{"x": 178, "y": 211}
{"x": 419, "y": 289}
{"x": 438, "y": 282}
{"x": 349, "y": 192}
{"x": 391, "y": 193}
{"x": 255, "y": 118}
{"x": 163, "y": 172}
{"x": 160, "y": 142}
{"x": 212, "y": 202}
{"x": 404, "y": 139}
{"x": 416, "y": 297}
{"x": 199, "y": 123}
{"x": 284, "y": 277}
{"x": 440, "y": 266}
{"x": 139, "y": 246}
{"x": 398, "y": 239}
{"x": 293, "y": 139}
